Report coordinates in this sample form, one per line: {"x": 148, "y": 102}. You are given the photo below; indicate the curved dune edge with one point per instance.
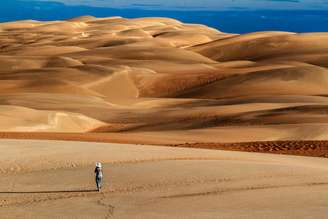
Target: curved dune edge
{"x": 301, "y": 148}
{"x": 16, "y": 119}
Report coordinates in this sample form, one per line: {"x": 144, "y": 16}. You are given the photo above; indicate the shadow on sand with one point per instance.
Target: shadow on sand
{"x": 49, "y": 192}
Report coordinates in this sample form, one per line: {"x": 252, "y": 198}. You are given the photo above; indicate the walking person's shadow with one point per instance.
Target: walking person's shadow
{"x": 49, "y": 192}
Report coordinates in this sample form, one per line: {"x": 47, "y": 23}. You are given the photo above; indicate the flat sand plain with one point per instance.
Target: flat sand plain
{"x": 54, "y": 179}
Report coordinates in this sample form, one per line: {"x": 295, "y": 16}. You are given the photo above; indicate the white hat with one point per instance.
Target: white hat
{"x": 98, "y": 164}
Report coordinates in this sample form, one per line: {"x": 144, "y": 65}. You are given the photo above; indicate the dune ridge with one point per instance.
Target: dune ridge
{"x": 161, "y": 79}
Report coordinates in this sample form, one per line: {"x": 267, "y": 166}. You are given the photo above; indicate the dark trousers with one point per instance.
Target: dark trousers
{"x": 98, "y": 182}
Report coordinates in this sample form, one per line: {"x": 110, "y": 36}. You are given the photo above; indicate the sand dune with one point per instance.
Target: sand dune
{"x": 166, "y": 80}
{"x": 17, "y": 119}
{"x": 158, "y": 81}
{"x": 259, "y": 46}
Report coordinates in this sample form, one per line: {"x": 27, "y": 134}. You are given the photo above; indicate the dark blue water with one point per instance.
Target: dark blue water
{"x": 237, "y": 20}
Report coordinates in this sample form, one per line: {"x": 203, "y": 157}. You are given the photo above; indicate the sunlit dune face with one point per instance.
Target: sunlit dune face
{"x": 164, "y": 77}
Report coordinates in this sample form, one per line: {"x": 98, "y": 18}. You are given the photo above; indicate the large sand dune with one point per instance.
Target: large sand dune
{"x": 163, "y": 79}
{"x": 54, "y": 179}
{"x": 158, "y": 81}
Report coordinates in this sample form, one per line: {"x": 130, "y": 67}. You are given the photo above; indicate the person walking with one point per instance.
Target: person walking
{"x": 98, "y": 175}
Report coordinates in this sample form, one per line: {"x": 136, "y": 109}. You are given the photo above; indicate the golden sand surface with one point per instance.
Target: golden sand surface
{"x": 54, "y": 179}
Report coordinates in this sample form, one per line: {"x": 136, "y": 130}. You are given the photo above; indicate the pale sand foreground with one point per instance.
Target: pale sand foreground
{"x": 54, "y": 179}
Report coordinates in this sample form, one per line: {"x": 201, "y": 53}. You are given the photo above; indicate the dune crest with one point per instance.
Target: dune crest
{"x": 22, "y": 119}
{"x": 162, "y": 78}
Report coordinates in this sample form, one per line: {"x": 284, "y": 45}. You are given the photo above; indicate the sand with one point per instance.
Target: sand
{"x": 171, "y": 82}
{"x": 165, "y": 89}
{"x": 54, "y": 179}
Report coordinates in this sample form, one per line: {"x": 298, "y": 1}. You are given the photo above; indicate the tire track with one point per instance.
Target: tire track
{"x": 247, "y": 188}
{"x": 24, "y": 199}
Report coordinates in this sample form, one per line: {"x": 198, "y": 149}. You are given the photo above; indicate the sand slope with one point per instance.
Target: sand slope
{"x": 54, "y": 179}
{"x": 161, "y": 77}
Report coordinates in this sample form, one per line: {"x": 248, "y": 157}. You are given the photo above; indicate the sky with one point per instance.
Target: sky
{"x": 234, "y": 16}
{"x": 205, "y": 4}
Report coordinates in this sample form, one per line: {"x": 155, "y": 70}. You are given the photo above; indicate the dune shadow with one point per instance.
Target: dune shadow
{"x": 49, "y": 192}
